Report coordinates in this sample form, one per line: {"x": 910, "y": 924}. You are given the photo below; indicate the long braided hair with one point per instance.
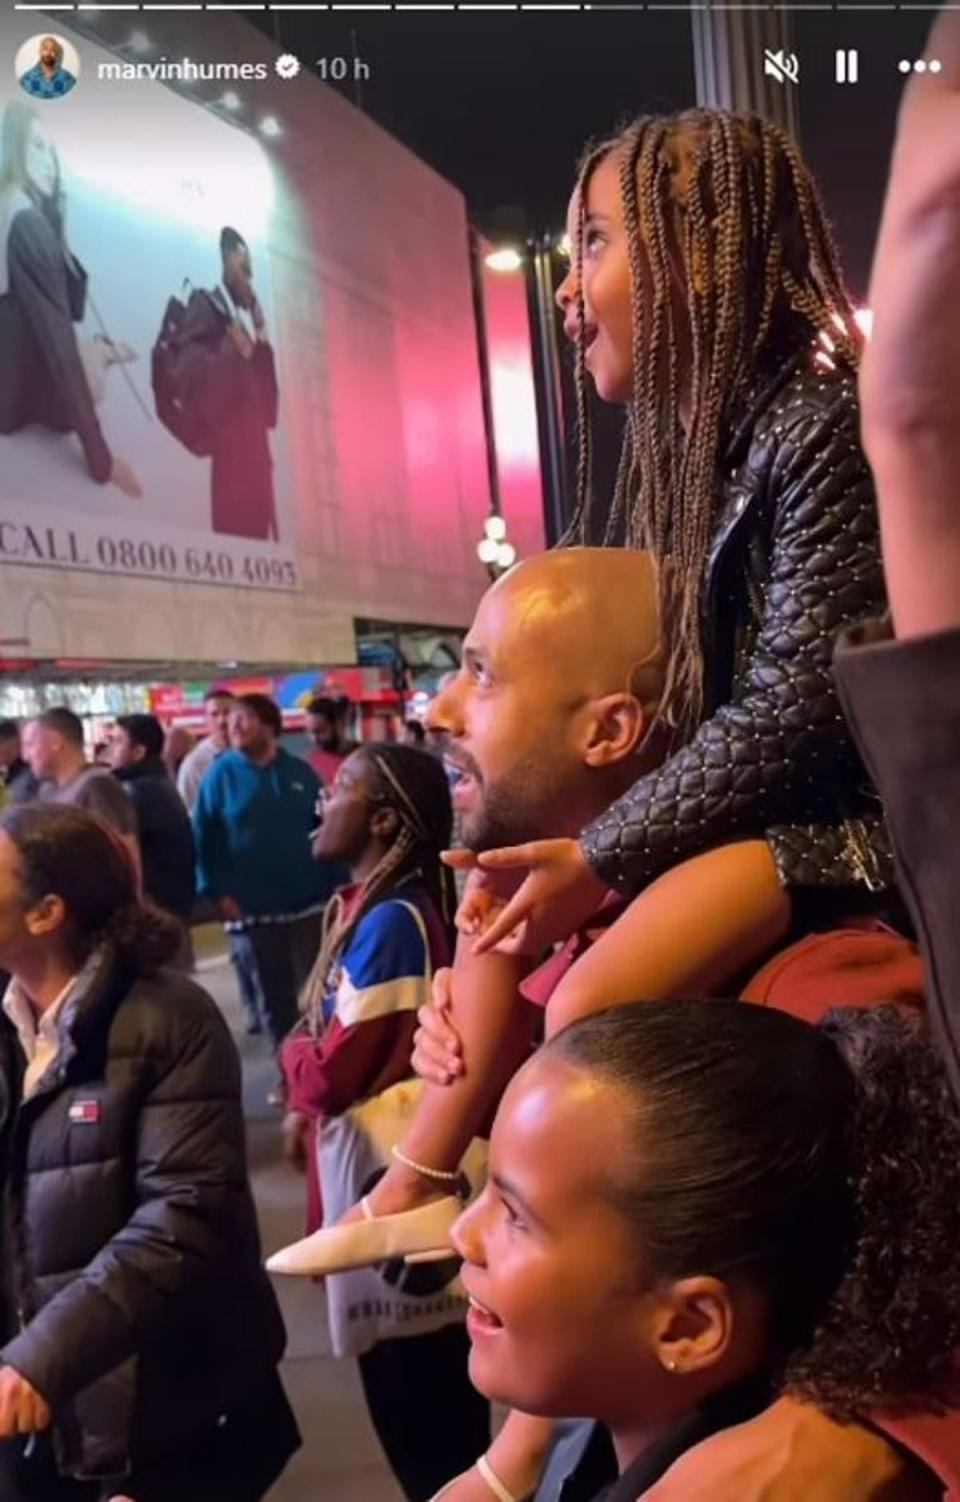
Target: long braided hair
{"x": 414, "y": 785}
{"x": 724, "y": 205}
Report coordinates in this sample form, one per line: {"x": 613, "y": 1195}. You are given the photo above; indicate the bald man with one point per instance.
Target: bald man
{"x": 546, "y": 723}
{"x": 48, "y": 78}
{"x": 548, "y": 720}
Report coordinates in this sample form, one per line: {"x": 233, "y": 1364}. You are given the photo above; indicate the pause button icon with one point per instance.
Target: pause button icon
{"x": 848, "y": 65}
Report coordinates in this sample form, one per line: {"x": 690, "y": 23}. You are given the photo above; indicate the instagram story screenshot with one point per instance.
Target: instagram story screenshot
{"x": 475, "y": 548}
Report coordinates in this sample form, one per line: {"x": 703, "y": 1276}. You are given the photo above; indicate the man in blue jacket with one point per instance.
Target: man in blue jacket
{"x": 252, "y": 823}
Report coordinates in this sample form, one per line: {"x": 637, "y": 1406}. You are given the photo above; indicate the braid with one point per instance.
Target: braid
{"x": 725, "y": 204}
{"x": 414, "y": 784}
{"x": 578, "y": 530}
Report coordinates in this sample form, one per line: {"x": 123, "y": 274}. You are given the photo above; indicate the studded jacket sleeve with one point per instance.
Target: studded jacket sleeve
{"x": 777, "y": 760}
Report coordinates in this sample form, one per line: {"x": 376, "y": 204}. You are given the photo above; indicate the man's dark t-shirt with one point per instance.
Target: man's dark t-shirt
{"x": 96, "y": 790}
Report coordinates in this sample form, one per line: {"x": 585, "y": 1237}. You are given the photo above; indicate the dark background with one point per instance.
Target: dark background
{"x": 502, "y": 105}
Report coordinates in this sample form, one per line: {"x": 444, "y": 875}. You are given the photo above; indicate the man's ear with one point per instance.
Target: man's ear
{"x": 694, "y": 1325}
{"x": 616, "y": 727}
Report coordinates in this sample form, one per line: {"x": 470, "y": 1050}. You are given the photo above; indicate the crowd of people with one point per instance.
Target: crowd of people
{"x": 685, "y": 1136}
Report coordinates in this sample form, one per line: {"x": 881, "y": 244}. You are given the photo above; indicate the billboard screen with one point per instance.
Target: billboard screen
{"x": 142, "y": 423}
{"x": 240, "y": 396}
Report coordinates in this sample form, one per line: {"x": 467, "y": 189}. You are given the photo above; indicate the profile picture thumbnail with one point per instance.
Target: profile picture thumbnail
{"x": 47, "y": 66}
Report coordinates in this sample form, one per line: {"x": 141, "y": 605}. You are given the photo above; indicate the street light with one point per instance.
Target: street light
{"x": 506, "y": 259}
{"x": 537, "y": 264}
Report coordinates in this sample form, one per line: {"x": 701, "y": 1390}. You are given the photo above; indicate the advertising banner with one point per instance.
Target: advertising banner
{"x": 142, "y": 418}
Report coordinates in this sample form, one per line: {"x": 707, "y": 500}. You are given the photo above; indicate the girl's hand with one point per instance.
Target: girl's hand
{"x": 483, "y": 897}
{"x": 437, "y": 1049}
{"x": 556, "y": 897}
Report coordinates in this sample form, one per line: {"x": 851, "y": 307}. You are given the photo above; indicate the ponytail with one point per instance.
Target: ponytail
{"x": 892, "y": 1327}
{"x": 142, "y": 936}
{"x": 820, "y": 1164}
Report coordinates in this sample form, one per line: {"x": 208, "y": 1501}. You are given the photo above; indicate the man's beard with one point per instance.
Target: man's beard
{"x": 511, "y": 812}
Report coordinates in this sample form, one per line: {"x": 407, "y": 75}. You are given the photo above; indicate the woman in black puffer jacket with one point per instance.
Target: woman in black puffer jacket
{"x": 141, "y": 1338}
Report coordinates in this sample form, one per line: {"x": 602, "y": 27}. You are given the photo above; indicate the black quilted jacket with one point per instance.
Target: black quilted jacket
{"x": 133, "y": 1295}
{"x": 795, "y": 559}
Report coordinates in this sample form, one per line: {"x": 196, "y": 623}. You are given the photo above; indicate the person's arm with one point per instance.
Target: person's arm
{"x": 516, "y": 1457}
{"x": 210, "y": 839}
{"x": 909, "y": 389}
{"x": 902, "y": 697}
{"x": 690, "y": 933}
{"x": 493, "y": 1027}
{"x": 189, "y": 779}
{"x": 366, "y": 1044}
{"x": 39, "y": 276}
{"x": 192, "y": 1215}
{"x": 328, "y": 1074}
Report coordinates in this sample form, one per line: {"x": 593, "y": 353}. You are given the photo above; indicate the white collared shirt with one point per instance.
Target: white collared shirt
{"x": 40, "y": 1036}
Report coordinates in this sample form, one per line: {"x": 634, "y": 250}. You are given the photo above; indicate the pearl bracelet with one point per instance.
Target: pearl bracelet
{"x": 439, "y": 1174}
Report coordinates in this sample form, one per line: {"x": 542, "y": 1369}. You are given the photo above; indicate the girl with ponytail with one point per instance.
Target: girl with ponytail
{"x": 347, "y": 1069}
{"x": 125, "y": 1213}
{"x": 693, "y": 1206}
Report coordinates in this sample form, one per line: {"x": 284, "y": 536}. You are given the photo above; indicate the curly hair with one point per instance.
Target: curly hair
{"x": 724, "y": 205}
{"x": 892, "y": 1327}
{"x": 821, "y": 1163}
{"x": 67, "y": 853}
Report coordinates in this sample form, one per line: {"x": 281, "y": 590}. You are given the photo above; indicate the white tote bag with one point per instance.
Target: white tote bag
{"x": 370, "y": 1304}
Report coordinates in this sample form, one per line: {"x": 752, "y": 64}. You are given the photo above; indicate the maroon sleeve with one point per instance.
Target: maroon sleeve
{"x": 328, "y": 1074}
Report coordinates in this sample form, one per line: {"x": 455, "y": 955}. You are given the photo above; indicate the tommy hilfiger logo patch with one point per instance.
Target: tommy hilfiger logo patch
{"x": 85, "y": 1112}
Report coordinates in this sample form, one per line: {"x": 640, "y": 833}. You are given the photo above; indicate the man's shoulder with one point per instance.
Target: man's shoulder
{"x": 204, "y": 751}
{"x": 295, "y": 769}
{"x": 97, "y": 789}
{"x": 225, "y": 767}
{"x": 88, "y": 783}
{"x": 159, "y": 792}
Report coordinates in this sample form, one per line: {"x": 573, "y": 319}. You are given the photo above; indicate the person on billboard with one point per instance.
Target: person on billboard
{"x": 48, "y": 78}
{"x": 47, "y": 376}
{"x": 215, "y": 388}
{"x": 241, "y": 477}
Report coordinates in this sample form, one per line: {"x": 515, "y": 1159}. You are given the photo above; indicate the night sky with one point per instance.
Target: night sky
{"x": 502, "y": 105}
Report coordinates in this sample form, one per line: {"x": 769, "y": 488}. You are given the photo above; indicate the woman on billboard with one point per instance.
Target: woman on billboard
{"x": 47, "y": 375}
